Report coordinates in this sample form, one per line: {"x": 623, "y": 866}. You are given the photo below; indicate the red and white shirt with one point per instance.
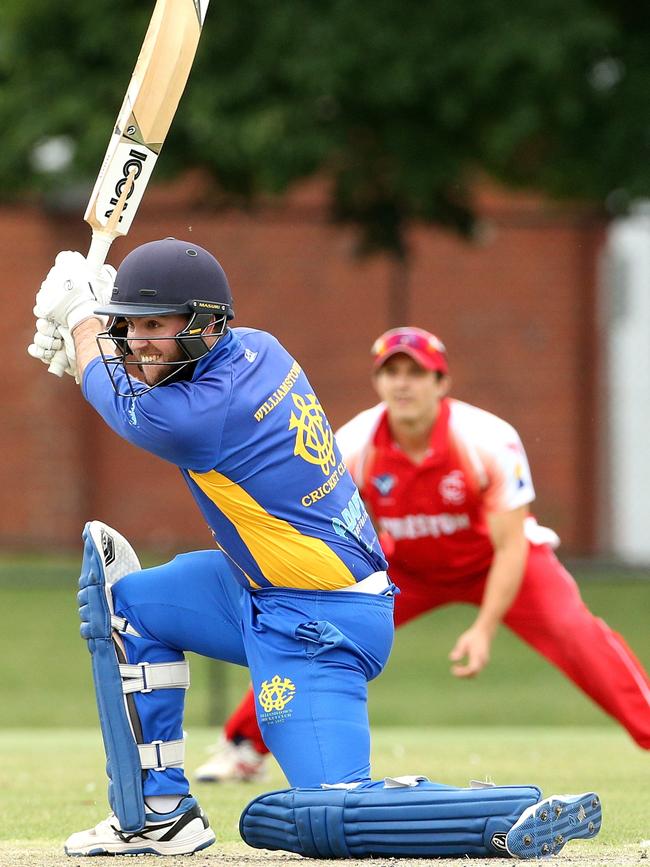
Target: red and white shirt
{"x": 435, "y": 511}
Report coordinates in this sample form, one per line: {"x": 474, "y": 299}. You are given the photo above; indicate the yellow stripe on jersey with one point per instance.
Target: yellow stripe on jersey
{"x": 285, "y": 556}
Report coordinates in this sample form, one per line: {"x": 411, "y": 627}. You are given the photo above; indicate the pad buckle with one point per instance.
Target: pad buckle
{"x": 159, "y": 759}
{"x": 145, "y": 688}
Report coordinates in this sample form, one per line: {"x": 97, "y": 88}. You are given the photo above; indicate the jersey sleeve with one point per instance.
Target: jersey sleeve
{"x": 181, "y": 423}
{"x": 496, "y": 456}
{"x": 354, "y": 440}
{"x": 510, "y": 483}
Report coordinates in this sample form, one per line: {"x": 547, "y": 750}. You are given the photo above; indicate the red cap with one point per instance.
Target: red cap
{"x": 422, "y": 346}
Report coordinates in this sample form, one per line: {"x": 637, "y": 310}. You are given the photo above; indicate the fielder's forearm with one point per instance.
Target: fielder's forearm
{"x": 502, "y": 584}
{"x": 85, "y": 342}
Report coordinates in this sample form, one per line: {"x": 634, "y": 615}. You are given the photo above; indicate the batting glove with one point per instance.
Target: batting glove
{"x": 54, "y": 346}
{"x": 72, "y": 290}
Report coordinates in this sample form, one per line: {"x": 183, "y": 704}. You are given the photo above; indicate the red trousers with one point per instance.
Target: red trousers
{"x": 549, "y": 615}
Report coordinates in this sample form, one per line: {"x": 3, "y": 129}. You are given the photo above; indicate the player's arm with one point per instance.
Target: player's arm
{"x": 85, "y": 343}
{"x": 471, "y": 652}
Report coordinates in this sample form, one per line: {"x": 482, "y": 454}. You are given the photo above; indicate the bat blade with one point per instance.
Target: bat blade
{"x": 155, "y": 89}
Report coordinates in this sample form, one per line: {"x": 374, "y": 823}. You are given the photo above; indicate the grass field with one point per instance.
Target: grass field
{"x": 521, "y": 721}
{"x": 52, "y": 782}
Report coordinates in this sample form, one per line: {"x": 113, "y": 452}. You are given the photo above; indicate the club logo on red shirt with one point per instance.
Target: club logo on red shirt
{"x": 452, "y": 488}
{"x": 384, "y": 483}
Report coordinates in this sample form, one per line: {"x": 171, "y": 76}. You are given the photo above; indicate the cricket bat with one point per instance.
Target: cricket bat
{"x": 151, "y": 100}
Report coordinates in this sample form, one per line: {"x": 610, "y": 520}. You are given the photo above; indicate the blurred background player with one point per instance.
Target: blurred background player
{"x": 448, "y": 486}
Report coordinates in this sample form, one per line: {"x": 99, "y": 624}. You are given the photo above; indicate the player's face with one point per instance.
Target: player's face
{"x": 411, "y": 393}
{"x": 149, "y": 339}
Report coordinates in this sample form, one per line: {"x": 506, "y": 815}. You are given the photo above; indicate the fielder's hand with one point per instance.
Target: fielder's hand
{"x": 54, "y": 346}
{"x": 471, "y": 653}
{"x": 71, "y": 291}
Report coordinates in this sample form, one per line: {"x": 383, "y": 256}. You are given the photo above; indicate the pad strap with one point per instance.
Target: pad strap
{"x": 121, "y": 624}
{"x": 160, "y": 755}
{"x": 145, "y": 676}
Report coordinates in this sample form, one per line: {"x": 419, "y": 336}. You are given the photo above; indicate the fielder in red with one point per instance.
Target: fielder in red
{"x": 448, "y": 486}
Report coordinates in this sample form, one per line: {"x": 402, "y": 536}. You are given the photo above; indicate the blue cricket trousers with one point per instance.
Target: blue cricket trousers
{"x": 310, "y": 655}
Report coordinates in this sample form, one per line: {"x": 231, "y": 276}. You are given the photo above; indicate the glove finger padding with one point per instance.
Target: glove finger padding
{"x": 54, "y": 345}
{"x": 49, "y": 342}
{"x": 47, "y": 328}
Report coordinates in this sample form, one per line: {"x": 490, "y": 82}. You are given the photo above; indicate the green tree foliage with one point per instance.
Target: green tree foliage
{"x": 399, "y": 103}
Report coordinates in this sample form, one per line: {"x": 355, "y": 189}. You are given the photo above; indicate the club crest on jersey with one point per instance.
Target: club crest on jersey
{"x": 384, "y": 483}
{"x": 314, "y": 437}
{"x": 452, "y": 488}
{"x": 274, "y": 696}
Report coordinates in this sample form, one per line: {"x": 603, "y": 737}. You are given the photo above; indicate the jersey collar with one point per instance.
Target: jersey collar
{"x": 438, "y": 439}
{"x": 223, "y": 350}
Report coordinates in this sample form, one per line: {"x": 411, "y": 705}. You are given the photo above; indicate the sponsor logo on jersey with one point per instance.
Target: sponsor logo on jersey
{"x": 353, "y": 520}
{"x": 419, "y": 526}
{"x": 452, "y": 488}
{"x": 314, "y": 437}
{"x": 273, "y": 697}
{"x": 249, "y": 355}
{"x": 384, "y": 483}
{"x": 130, "y": 414}
{"x": 520, "y": 477}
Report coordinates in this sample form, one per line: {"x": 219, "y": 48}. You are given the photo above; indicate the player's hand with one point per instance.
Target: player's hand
{"x": 54, "y": 346}
{"x": 471, "y": 653}
{"x": 72, "y": 290}
{"x": 47, "y": 341}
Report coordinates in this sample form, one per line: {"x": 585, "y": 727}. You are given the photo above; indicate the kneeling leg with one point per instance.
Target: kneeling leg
{"x": 418, "y": 819}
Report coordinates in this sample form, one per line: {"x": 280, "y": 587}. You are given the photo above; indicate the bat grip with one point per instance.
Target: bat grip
{"x": 98, "y": 250}
{"x": 59, "y": 363}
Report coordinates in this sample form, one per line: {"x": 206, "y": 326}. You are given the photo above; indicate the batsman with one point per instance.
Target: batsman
{"x": 296, "y": 587}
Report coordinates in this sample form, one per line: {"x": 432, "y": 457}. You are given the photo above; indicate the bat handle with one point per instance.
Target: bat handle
{"x": 98, "y": 250}
{"x": 59, "y": 363}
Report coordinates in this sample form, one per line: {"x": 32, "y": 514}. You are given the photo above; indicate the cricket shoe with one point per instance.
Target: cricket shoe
{"x": 232, "y": 762}
{"x": 181, "y": 832}
{"x": 543, "y": 829}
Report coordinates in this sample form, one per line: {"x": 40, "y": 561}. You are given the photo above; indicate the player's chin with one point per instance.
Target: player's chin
{"x": 152, "y": 374}
{"x": 404, "y": 411}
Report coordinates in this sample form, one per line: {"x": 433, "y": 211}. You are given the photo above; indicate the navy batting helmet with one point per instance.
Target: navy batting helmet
{"x": 163, "y": 278}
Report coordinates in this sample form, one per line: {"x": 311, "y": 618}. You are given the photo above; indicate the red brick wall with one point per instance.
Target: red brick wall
{"x": 515, "y": 310}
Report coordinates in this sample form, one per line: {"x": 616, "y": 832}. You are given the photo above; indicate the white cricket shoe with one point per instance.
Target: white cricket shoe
{"x": 232, "y": 762}
{"x": 181, "y": 832}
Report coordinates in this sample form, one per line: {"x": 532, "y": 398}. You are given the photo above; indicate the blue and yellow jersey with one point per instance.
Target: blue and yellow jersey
{"x": 257, "y": 451}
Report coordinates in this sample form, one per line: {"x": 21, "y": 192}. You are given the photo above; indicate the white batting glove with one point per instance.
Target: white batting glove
{"x": 54, "y": 346}
{"x": 72, "y": 290}
{"x": 47, "y": 341}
